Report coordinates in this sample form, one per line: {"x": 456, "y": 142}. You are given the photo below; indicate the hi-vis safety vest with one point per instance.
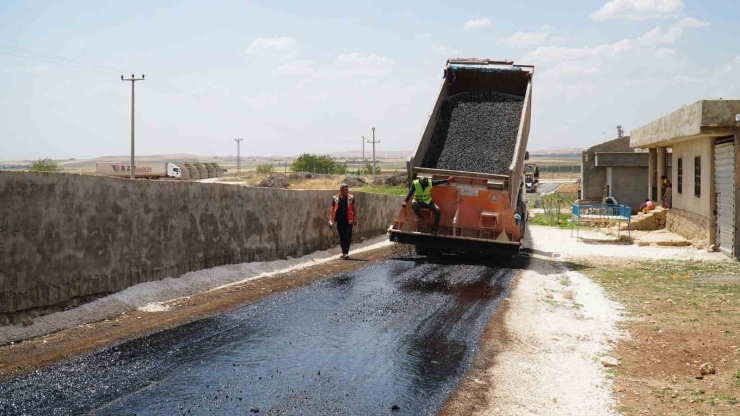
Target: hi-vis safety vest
{"x": 422, "y": 194}
{"x": 350, "y": 208}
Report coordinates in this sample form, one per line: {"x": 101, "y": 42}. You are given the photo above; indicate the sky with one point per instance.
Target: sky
{"x": 293, "y": 76}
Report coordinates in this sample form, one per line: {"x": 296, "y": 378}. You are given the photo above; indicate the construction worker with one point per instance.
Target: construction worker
{"x": 344, "y": 214}
{"x": 421, "y": 190}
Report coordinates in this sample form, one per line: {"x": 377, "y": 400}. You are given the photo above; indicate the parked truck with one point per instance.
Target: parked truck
{"x": 157, "y": 170}
{"x": 477, "y": 132}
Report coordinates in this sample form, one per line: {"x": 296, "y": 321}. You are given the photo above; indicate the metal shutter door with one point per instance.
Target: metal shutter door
{"x": 724, "y": 185}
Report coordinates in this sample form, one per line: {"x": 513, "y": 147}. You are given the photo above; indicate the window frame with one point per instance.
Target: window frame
{"x": 697, "y": 176}
{"x": 680, "y": 175}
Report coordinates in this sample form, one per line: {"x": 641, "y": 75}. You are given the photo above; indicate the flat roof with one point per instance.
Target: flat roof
{"x": 705, "y": 118}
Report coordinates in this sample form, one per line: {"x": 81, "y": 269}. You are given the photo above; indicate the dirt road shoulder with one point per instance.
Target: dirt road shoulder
{"x": 683, "y": 354}
{"x": 541, "y": 353}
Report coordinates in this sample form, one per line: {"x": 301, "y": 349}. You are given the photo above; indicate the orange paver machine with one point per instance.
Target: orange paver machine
{"x": 481, "y": 212}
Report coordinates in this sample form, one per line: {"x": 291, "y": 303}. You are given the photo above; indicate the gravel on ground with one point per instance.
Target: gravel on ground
{"x": 542, "y": 350}
{"x": 552, "y": 241}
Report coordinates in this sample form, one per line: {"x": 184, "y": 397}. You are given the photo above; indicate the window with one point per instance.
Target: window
{"x": 680, "y": 175}
{"x": 697, "y": 176}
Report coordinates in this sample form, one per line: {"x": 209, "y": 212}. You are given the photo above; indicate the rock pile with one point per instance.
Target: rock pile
{"x": 476, "y": 132}
{"x": 275, "y": 181}
{"x": 354, "y": 181}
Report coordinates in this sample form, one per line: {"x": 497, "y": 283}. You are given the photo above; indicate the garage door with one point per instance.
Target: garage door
{"x": 724, "y": 185}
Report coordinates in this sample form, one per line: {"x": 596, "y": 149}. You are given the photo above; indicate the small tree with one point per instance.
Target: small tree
{"x": 369, "y": 169}
{"x": 44, "y": 165}
{"x": 312, "y": 163}
{"x": 265, "y": 168}
{"x": 340, "y": 169}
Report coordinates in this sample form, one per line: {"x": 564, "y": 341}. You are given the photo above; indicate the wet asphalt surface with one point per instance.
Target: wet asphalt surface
{"x": 392, "y": 338}
{"x": 544, "y": 188}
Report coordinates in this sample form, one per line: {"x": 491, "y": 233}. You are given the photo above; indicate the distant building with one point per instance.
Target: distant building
{"x": 613, "y": 169}
{"x": 704, "y": 138}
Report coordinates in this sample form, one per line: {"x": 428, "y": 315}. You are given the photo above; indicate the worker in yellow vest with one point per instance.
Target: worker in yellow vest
{"x": 421, "y": 190}
{"x": 344, "y": 215}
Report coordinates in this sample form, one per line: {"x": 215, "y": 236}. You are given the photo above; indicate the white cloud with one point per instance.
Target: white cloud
{"x": 36, "y": 69}
{"x": 372, "y": 65}
{"x": 442, "y": 50}
{"x": 559, "y": 53}
{"x": 566, "y": 68}
{"x": 477, "y": 23}
{"x": 283, "y": 47}
{"x": 664, "y": 53}
{"x": 526, "y": 38}
{"x": 737, "y": 59}
{"x": 298, "y": 67}
{"x": 685, "y": 79}
{"x": 658, "y": 36}
{"x": 639, "y": 9}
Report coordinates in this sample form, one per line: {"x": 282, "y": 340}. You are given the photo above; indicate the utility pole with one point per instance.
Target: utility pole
{"x": 133, "y": 80}
{"x": 238, "y": 157}
{"x": 373, "y": 142}
{"x": 363, "y": 152}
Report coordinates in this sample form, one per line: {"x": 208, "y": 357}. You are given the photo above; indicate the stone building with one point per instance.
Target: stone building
{"x": 704, "y": 138}
{"x": 614, "y": 169}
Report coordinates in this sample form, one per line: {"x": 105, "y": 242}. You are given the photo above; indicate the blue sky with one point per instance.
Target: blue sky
{"x": 294, "y": 76}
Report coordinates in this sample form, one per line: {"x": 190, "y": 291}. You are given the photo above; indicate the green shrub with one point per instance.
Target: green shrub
{"x": 45, "y": 165}
{"x": 265, "y": 168}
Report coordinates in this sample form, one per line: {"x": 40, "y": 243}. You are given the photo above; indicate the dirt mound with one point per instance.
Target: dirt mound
{"x": 275, "y": 181}
{"x": 298, "y": 176}
{"x": 354, "y": 181}
{"x": 396, "y": 180}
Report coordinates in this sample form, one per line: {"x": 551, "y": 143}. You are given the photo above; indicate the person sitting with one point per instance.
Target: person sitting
{"x": 421, "y": 190}
{"x": 647, "y": 206}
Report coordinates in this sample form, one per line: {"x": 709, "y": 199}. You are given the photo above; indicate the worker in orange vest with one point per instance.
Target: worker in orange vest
{"x": 344, "y": 214}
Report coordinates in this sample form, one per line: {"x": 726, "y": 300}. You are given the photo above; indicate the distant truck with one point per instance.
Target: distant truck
{"x": 158, "y": 170}
{"x": 531, "y": 180}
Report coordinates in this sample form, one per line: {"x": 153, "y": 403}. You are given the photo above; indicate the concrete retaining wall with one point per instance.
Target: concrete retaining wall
{"x": 64, "y": 238}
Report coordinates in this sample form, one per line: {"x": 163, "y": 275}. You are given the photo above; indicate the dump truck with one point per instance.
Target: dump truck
{"x": 477, "y": 132}
{"x": 531, "y": 182}
{"x": 158, "y": 170}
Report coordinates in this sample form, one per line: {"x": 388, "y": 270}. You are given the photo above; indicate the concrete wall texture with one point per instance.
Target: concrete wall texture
{"x": 593, "y": 179}
{"x": 628, "y": 186}
{"x": 686, "y": 200}
{"x": 66, "y": 237}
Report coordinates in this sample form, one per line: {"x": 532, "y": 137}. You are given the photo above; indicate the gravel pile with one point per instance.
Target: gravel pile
{"x": 354, "y": 181}
{"x": 297, "y": 176}
{"x": 275, "y": 181}
{"x": 396, "y": 180}
{"x": 475, "y": 132}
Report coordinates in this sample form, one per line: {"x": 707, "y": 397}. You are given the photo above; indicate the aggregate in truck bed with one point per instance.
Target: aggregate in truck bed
{"x": 475, "y": 132}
